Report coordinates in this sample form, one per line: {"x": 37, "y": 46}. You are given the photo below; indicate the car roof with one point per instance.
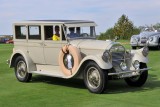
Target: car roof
{"x": 68, "y": 23}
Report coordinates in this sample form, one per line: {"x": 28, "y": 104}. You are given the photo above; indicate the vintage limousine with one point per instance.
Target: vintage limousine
{"x": 82, "y": 56}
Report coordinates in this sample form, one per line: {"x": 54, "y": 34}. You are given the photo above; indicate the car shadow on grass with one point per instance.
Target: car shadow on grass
{"x": 113, "y": 86}
{"x": 120, "y": 86}
{"x": 153, "y": 49}
{"x": 74, "y": 83}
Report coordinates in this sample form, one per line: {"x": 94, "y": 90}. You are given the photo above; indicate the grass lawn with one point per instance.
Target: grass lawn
{"x": 53, "y": 92}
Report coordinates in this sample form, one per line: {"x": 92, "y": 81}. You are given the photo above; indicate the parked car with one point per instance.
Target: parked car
{"x": 82, "y": 57}
{"x": 9, "y": 42}
{"x": 148, "y": 36}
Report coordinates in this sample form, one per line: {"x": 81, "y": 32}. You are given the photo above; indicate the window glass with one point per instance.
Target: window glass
{"x": 20, "y": 32}
{"x": 34, "y": 32}
{"x": 48, "y": 31}
{"x": 79, "y": 32}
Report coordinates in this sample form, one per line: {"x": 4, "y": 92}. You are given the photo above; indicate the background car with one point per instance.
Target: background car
{"x": 148, "y": 36}
{"x": 9, "y": 42}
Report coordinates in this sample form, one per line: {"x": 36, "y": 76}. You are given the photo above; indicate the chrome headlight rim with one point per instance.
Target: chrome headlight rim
{"x": 123, "y": 66}
{"x": 106, "y": 56}
{"x": 150, "y": 39}
{"x": 145, "y": 51}
{"x": 137, "y": 39}
{"x": 136, "y": 64}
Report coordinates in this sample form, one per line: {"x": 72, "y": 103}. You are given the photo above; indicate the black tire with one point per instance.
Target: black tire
{"x": 21, "y": 71}
{"x": 95, "y": 78}
{"x": 138, "y": 81}
{"x": 158, "y": 47}
{"x": 134, "y": 47}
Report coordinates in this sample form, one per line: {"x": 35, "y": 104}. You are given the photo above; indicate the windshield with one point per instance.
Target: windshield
{"x": 80, "y": 32}
{"x": 150, "y": 29}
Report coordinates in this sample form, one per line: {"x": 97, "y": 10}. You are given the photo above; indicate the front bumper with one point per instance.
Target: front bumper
{"x": 129, "y": 73}
{"x": 149, "y": 44}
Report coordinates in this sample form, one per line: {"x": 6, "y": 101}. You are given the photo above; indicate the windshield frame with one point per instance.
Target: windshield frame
{"x": 91, "y": 31}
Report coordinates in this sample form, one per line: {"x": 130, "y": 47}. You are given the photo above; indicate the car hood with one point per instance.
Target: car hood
{"x": 148, "y": 34}
{"x": 92, "y": 44}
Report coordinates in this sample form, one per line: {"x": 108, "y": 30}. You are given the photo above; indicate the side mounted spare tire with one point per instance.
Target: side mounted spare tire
{"x": 69, "y": 59}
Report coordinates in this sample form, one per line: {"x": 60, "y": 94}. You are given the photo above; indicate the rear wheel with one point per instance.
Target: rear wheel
{"x": 138, "y": 81}
{"x": 158, "y": 47}
{"x": 21, "y": 71}
{"x": 95, "y": 78}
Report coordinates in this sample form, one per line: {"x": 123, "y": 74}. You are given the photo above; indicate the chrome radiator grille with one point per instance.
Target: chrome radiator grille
{"x": 117, "y": 58}
{"x": 143, "y": 39}
{"x": 118, "y": 55}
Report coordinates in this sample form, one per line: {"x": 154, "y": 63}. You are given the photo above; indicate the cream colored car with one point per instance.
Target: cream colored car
{"x": 75, "y": 55}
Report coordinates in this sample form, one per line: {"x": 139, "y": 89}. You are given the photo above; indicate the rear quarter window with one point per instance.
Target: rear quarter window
{"x": 20, "y": 32}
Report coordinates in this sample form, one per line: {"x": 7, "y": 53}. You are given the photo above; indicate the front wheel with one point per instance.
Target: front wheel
{"x": 138, "y": 81}
{"x": 21, "y": 70}
{"x": 95, "y": 78}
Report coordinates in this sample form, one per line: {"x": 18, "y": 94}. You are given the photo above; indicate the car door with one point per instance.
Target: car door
{"x": 35, "y": 44}
{"x": 52, "y": 48}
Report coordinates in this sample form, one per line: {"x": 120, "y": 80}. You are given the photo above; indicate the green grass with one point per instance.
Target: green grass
{"x": 53, "y": 92}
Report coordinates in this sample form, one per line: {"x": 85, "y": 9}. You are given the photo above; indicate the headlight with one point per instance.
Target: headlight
{"x": 123, "y": 66}
{"x": 134, "y": 39}
{"x": 137, "y": 39}
{"x": 136, "y": 64}
{"x": 151, "y": 39}
{"x": 106, "y": 56}
{"x": 145, "y": 51}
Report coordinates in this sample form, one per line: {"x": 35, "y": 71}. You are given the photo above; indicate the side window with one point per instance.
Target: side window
{"x": 48, "y": 31}
{"x": 20, "y": 32}
{"x": 52, "y": 32}
{"x": 34, "y": 32}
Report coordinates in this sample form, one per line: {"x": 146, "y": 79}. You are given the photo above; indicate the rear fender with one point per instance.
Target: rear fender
{"x": 30, "y": 65}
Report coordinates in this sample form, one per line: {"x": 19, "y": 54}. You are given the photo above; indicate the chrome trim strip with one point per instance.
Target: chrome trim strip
{"x": 130, "y": 71}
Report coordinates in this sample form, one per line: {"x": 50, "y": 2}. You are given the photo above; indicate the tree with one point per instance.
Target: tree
{"x": 107, "y": 35}
{"x": 123, "y": 28}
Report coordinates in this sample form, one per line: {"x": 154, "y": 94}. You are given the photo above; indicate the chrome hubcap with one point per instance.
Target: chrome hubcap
{"x": 68, "y": 61}
{"x": 135, "y": 78}
{"x": 21, "y": 69}
{"x": 93, "y": 78}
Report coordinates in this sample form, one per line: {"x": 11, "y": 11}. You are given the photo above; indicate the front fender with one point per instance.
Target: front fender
{"x": 98, "y": 59}
{"x": 30, "y": 65}
{"x": 137, "y": 55}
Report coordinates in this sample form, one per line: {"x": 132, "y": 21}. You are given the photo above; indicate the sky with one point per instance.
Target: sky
{"x": 104, "y": 12}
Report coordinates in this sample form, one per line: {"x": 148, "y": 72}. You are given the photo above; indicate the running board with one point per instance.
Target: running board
{"x": 49, "y": 73}
{"x": 49, "y": 70}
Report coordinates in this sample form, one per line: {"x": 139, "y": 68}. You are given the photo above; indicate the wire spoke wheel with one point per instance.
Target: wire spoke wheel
{"x": 21, "y": 71}
{"x": 93, "y": 77}
{"x": 139, "y": 80}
